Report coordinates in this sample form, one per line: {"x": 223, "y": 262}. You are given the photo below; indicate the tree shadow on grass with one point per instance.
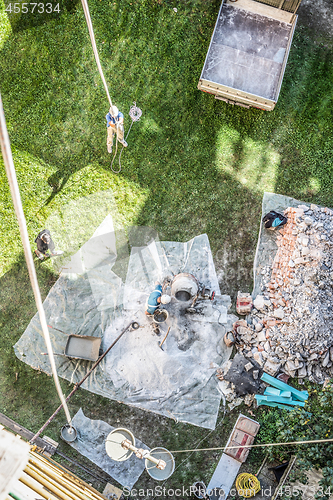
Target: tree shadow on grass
{"x": 306, "y": 140}
{"x": 173, "y": 149}
{"x": 18, "y": 382}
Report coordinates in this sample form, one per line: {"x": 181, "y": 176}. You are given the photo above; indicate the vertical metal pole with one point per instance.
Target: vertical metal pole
{"x": 15, "y": 192}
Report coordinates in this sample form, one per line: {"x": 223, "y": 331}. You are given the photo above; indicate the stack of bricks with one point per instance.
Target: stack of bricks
{"x": 286, "y": 241}
{"x": 282, "y": 272}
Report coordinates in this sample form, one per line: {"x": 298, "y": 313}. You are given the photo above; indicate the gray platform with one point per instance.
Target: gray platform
{"x": 247, "y": 52}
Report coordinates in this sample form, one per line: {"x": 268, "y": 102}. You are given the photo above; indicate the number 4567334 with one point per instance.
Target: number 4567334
{"x": 17, "y": 8}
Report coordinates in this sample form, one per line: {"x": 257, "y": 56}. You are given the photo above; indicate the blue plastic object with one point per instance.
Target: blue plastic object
{"x": 275, "y": 405}
{"x": 300, "y": 395}
{"x": 278, "y": 399}
{"x": 271, "y": 391}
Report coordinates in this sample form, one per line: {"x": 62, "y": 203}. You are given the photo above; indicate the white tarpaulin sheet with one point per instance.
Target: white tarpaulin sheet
{"x": 93, "y": 297}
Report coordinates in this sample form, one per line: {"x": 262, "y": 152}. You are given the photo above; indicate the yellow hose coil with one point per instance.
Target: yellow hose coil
{"x": 247, "y": 485}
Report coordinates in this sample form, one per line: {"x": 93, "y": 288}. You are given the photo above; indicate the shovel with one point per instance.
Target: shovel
{"x": 161, "y": 343}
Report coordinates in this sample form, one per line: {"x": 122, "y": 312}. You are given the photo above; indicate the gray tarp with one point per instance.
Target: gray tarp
{"x": 91, "y": 298}
{"x": 90, "y": 442}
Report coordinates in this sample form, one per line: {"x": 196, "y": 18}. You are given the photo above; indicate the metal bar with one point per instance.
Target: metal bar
{"x": 79, "y": 384}
{"x": 54, "y": 328}
{"x": 261, "y": 466}
{"x": 26, "y": 434}
{"x": 48, "y": 484}
{"x": 160, "y": 464}
{"x": 63, "y": 477}
{"x": 36, "y": 487}
{"x": 77, "y": 464}
{"x": 16, "y": 197}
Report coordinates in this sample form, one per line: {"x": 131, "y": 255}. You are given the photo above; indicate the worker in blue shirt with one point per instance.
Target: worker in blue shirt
{"x": 115, "y": 125}
{"x": 155, "y": 299}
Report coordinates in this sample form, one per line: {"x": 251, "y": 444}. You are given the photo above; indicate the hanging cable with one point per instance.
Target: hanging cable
{"x": 134, "y": 112}
{"x": 93, "y": 43}
{"x": 255, "y": 445}
{"x": 15, "y": 192}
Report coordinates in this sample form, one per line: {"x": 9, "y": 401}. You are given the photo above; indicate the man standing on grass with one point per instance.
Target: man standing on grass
{"x": 115, "y": 124}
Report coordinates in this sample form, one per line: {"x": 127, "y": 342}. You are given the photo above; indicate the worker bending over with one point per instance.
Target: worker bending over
{"x": 155, "y": 299}
{"x": 115, "y": 125}
{"x": 45, "y": 244}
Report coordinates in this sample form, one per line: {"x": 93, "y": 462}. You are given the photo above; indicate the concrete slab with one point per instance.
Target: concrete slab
{"x": 223, "y": 478}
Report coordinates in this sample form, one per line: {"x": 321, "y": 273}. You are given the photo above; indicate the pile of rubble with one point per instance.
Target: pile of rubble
{"x": 290, "y": 328}
{"x": 238, "y": 382}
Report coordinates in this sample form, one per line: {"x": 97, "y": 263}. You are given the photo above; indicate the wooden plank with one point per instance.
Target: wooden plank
{"x": 277, "y": 492}
{"x": 227, "y": 467}
{"x": 263, "y": 10}
{"x": 26, "y": 434}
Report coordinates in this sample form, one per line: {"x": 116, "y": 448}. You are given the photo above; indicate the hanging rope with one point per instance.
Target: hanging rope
{"x": 15, "y": 192}
{"x": 93, "y": 43}
{"x": 135, "y": 113}
{"x": 255, "y": 445}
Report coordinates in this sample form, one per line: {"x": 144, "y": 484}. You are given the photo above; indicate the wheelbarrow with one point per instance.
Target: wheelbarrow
{"x": 81, "y": 347}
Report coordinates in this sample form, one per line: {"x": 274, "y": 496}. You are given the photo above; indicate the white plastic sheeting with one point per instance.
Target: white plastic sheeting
{"x": 90, "y": 442}
{"x": 93, "y": 297}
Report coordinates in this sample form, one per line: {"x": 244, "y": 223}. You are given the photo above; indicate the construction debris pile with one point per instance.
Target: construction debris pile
{"x": 290, "y": 327}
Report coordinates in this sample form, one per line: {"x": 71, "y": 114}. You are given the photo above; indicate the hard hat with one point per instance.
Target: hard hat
{"x": 165, "y": 299}
{"x": 113, "y": 111}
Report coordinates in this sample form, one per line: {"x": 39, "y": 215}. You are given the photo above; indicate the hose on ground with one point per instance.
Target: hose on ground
{"x": 247, "y": 485}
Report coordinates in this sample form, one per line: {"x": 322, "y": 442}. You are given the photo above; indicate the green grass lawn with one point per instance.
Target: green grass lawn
{"x": 193, "y": 164}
